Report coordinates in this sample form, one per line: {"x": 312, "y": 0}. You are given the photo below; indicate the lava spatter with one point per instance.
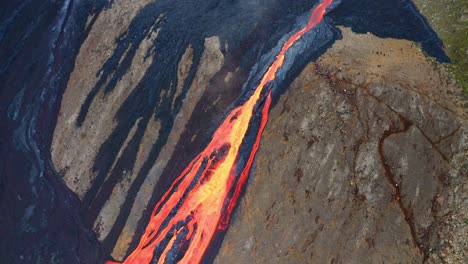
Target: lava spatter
{"x": 200, "y": 201}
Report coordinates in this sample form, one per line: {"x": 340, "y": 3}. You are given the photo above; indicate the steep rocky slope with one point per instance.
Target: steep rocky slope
{"x": 104, "y": 103}
{"x": 364, "y": 160}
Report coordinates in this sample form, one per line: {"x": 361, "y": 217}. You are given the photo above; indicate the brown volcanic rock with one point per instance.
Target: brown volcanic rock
{"x": 363, "y": 161}
{"x": 319, "y": 190}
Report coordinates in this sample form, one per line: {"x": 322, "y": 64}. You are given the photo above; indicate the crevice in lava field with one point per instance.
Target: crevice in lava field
{"x": 423, "y": 234}
{"x": 407, "y": 212}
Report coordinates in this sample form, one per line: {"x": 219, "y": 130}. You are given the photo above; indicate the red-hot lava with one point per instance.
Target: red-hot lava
{"x": 201, "y": 199}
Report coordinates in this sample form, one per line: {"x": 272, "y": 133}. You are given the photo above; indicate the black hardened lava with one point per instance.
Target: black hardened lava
{"x": 41, "y": 220}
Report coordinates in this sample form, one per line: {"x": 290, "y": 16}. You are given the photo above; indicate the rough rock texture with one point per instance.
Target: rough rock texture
{"x": 359, "y": 160}
{"x": 39, "y": 220}
{"x": 74, "y": 150}
{"x": 364, "y": 160}
{"x": 211, "y": 62}
{"x": 103, "y": 103}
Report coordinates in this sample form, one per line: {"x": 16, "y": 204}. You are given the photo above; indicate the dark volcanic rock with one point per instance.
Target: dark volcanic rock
{"x": 39, "y": 220}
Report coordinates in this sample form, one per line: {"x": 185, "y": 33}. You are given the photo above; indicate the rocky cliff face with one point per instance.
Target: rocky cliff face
{"x": 363, "y": 159}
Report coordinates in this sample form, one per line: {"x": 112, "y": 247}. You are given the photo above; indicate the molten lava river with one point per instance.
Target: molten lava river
{"x": 200, "y": 201}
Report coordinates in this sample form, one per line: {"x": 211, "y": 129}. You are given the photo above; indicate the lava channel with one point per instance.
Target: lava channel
{"x": 200, "y": 201}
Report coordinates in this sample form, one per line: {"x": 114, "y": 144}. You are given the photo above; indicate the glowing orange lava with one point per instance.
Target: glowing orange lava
{"x": 201, "y": 199}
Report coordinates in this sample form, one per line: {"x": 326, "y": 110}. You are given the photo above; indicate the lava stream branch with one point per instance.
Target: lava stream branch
{"x": 201, "y": 200}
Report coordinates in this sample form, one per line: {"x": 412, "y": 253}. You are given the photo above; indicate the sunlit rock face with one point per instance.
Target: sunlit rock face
{"x": 362, "y": 157}
{"x": 370, "y": 116}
